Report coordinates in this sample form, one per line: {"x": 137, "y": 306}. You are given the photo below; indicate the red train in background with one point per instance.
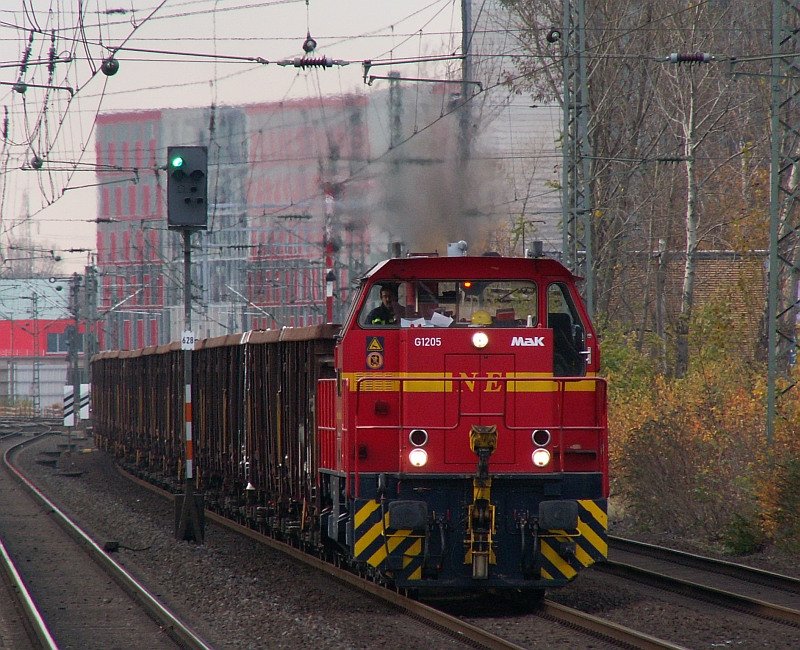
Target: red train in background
{"x": 450, "y": 435}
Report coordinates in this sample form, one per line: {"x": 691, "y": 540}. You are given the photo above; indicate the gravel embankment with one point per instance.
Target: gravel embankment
{"x": 238, "y": 594}
{"x": 234, "y": 592}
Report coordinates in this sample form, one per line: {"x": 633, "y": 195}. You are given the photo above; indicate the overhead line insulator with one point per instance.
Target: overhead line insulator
{"x": 312, "y": 62}
{"x": 690, "y": 57}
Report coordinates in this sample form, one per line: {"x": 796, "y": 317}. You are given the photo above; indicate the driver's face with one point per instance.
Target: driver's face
{"x": 387, "y": 297}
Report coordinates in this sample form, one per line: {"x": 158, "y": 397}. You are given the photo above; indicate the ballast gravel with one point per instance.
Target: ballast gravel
{"x": 232, "y": 591}
{"x": 237, "y": 593}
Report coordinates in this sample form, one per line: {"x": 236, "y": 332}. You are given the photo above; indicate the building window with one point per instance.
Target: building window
{"x": 59, "y": 343}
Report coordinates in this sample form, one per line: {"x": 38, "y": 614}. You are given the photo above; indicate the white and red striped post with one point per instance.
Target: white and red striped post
{"x": 187, "y": 429}
{"x": 189, "y": 508}
{"x": 330, "y": 276}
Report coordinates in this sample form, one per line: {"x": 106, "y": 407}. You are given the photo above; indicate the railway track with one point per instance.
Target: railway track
{"x": 74, "y": 594}
{"x": 588, "y": 630}
{"x": 600, "y": 628}
{"x": 470, "y": 631}
{"x": 21, "y": 624}
{"x": 759, "y": 593}
{"x": 551, "y": 624}
{"x": 581, "y": 623}
{"x": 452, "y": 626}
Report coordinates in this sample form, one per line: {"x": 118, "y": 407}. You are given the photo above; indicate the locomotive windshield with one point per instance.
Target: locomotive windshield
{"x": 449, "y": 303}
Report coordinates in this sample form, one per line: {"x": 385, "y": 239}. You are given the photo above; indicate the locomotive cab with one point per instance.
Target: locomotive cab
{"x": 465, "y": 437}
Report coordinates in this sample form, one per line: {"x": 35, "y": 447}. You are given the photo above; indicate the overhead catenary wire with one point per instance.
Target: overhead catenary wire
{"x": 246, "y": 5}
{"x": 39, "y": 134}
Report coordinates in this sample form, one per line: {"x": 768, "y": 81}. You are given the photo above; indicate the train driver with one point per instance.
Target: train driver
{"x": 389, "y": 312}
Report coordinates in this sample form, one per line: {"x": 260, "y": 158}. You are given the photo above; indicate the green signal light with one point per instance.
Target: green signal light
{"x": 176, "y": 162}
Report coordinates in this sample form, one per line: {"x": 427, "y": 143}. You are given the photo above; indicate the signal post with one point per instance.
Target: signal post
{"x": 187, "y": 211}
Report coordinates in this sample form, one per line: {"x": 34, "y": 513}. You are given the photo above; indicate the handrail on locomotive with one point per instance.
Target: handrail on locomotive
{"x": 558, "y": 425}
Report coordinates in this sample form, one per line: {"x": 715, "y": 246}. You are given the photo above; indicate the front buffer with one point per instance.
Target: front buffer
{"x": 478, "y": 532}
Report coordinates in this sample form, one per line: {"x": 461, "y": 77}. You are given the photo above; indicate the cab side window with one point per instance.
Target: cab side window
{"x": 383, "y": 308}
{"x": 568, "y": 333}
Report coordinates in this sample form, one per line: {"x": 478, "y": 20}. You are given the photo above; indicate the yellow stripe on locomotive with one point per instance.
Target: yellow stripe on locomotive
{"x": 447, "y": 382}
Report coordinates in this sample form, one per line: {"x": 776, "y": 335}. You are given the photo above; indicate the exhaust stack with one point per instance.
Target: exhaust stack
{"x": 457, "y": 249}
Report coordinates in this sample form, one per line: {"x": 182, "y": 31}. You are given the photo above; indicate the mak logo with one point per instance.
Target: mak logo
{"x": 528, "y": 341}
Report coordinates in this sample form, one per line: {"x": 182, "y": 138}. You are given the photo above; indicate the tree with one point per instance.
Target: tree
{"x": 665, "y": 140}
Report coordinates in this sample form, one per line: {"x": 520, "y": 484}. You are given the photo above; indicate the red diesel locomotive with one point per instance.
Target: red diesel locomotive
{"x": 451, "y": 435}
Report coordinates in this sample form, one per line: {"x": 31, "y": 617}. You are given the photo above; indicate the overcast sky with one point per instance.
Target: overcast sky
{"x": 165, "y": 71}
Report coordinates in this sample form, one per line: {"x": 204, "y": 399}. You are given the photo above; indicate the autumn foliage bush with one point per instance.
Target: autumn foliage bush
{"x": 689, "y": 456}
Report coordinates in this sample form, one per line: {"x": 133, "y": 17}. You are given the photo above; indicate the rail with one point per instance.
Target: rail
{"x": 175, "y": 628}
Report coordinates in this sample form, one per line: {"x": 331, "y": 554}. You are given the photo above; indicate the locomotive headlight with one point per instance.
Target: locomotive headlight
{"x": 480, "y": 339}
{"x": 418, "y": 457}
{"x": 540, "y": 457}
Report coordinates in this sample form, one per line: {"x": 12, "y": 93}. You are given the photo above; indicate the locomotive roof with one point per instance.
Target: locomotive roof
{"x": 484, "y": 266}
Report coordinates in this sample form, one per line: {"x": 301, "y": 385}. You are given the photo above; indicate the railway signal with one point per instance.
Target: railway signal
{"x": 187, "y": 210}
{"x": 187, "y": 187}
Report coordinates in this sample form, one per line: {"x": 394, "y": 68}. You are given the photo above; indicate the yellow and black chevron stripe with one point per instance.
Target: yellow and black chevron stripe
{"x": 400, "y": 551}
{"x": 559, "y": 561}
